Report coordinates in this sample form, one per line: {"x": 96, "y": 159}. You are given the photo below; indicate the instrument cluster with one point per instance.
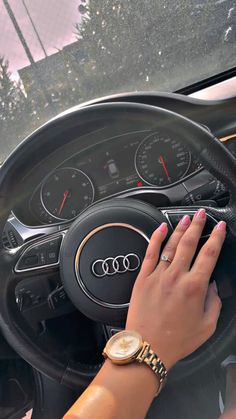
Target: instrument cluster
{"x": 140, "y": 159}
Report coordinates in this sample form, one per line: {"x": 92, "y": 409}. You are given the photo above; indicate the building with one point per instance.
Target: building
{"x": 54, "y": 81}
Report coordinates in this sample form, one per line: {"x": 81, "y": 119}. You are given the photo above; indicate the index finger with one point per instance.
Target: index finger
{"x": 209, "y": 253}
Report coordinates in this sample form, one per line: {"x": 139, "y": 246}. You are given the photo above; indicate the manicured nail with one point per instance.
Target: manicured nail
{"x": 185, "y": 221}
{"x": 221, "y": 226}
{"x": 163, "y": 227}
{"x": 215, "y": 286}
{"x": 201, "y": 213}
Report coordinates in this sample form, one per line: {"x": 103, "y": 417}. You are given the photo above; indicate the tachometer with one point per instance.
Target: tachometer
{"x": 67, "y": 192}
{"x": 161, "y": 160}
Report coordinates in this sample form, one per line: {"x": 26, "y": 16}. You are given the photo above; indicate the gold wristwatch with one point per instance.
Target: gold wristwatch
{"x": 127, "y": 346}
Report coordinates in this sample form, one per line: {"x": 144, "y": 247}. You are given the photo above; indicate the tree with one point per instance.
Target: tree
{"x": 119, "y": 38}
{"x": 12, "y": 109}
{"x": 132, "y": 44}
{"x": 10, "y": 94}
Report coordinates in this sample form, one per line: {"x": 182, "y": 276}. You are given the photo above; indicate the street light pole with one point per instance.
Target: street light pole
{"x": 34, "y": 27}
{"x": 28, "y": 54}
{"x": 19, "y": 32}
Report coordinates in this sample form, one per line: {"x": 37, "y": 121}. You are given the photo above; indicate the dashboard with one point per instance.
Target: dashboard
{"x": 133, "y": 162}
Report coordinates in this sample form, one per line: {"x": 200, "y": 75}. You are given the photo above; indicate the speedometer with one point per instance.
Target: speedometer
{"x": 161, "y": 160}
{"x": 66, "y": 192}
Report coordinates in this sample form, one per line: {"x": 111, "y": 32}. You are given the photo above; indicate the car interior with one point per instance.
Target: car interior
{"x": 80, "y": 196}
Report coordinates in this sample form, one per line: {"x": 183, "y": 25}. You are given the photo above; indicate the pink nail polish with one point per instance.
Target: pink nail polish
{"x": 163, "y": 227}
{"x": 201, "y": 213}
{"x": 185, "y": 221}
{"x": 221, "y": 226}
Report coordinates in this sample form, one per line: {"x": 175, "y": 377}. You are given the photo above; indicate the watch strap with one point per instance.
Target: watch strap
{"x": 148, "y": 356}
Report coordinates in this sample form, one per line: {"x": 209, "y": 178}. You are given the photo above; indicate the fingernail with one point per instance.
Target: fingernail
{"x": 221, "y": 226}
{"x": 201, "y": 213}
{"x": 185, "y": 221}
{"x": 215, "y": 286}
{"x": 163, "y": 227}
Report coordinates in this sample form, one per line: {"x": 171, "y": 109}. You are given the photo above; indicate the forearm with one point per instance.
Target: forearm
{"x": 117, "y": 393}
{"x": 230, "y": 414}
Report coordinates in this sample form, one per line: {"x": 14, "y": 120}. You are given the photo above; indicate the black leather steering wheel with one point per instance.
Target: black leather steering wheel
{"x": 130, "y": 222}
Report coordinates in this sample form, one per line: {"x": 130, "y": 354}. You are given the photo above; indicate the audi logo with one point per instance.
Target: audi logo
{"x": 118, "y": 265}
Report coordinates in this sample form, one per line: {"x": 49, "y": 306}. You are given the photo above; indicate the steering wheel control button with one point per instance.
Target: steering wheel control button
{"x": 52, "y": 250}
{"x": 58, "y": 298}
{"x": 175, "y": 216}
{"x": 52, "y": 257}
{"x": 31, "y": 293}
{"x": 44, "y": 254}
{"x": 30, "y": 261}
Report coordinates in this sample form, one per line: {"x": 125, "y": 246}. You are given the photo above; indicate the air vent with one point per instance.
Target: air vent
{"x": 5, "y": 241}
{"x": 10, "y": 238}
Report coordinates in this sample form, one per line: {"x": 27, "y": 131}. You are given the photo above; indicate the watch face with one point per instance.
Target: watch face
{"x": 123, "y": 345}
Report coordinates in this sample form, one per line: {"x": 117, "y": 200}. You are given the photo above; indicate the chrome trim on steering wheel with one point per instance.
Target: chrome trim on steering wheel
{"x": 77, "y": 257}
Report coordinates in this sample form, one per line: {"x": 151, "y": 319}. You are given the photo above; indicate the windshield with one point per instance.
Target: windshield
{"x": 54, "y": 55}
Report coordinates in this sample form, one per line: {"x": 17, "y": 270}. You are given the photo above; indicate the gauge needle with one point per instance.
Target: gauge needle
{"x": 162, "y": 161}
{"x": 65, "y": 196}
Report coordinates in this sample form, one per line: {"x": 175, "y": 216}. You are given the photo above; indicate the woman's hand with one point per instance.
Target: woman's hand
{"x": 173, "y": 307}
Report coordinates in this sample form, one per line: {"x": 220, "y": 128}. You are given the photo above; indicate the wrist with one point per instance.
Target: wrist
{"x": 128, "y": 347}
{"x": 164, "y": 354}
{"x": 139, "y": 376}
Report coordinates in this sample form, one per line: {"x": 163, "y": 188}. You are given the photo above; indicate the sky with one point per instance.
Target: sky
{"x": 54, "y": 20}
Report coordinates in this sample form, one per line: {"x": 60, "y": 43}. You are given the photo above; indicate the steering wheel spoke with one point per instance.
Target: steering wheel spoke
{"x": 40, "y": 254}
{"x": 34, "y": 281}
{"x": 174, "y": 215}
{"x": 214, "y": 215}
{"x": 25, "y": 233}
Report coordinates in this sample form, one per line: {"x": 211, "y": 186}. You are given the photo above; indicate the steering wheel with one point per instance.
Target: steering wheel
{"x": 116, "y": 231}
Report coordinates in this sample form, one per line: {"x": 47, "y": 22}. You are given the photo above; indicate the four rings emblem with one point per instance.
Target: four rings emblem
{"x": 118, "y": 265}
